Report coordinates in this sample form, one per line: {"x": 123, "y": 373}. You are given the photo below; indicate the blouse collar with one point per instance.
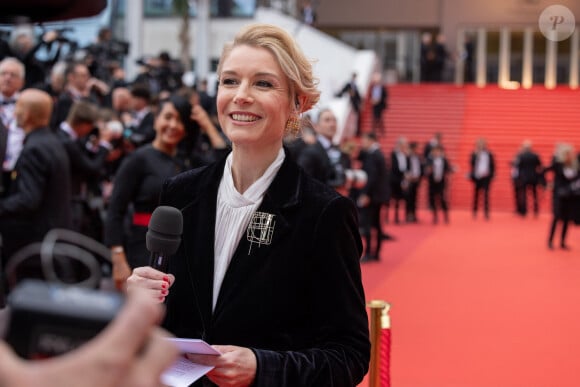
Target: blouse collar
{"x": 256, "y": 191}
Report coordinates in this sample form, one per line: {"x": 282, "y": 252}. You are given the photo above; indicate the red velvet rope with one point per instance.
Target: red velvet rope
{"x": 385, "y": 360}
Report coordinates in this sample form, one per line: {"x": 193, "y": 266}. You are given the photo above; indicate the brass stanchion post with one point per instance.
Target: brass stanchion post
{"x": 376, "y": 307}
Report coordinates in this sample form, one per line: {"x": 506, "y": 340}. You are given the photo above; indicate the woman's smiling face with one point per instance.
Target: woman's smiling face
{"x": 168, "y": 125}
{"x": 253, "y": 98}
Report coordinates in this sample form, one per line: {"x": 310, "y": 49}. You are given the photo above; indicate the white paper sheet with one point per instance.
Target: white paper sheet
{"x": 184, "y": 372}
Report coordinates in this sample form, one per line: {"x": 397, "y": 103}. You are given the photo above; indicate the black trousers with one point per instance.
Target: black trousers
{"x": 481, "y": 186}
{"x": 437, "y": 199}
{"x": 523, "y": 197}
{"x": 371, "y": 221}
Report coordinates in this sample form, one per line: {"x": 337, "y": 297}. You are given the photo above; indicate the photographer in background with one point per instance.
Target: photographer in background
{"x": 80, "y": 85}
{"x": 160, "y": 73}
{"x": 106, "y": 55}
{"x": 24, "y": 46}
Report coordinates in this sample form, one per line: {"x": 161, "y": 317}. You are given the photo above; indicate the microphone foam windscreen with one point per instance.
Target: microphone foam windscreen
{"x": 165, "y": 228}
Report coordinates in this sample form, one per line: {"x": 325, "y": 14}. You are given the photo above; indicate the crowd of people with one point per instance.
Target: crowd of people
{"x": 561, "y": 176}
{"x": 68, "y": 132}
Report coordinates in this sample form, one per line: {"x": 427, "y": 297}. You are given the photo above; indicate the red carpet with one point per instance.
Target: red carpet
{"x": 478, "y": 303}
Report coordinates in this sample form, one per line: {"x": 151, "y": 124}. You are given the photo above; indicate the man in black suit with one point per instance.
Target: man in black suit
{"x": 379, "y": 101}
{"x": 323, "y": 160}
{"x": 529, "y": 172}
{"x": 437, "y": 168}
{"x": 482, "y": 172}
{"x": 412, "y": 182}
{"x": 79, "y": 86}
{"x": 140, "y": 126}
{"x": 399, "y": 167}
{"x": 373, "y": 195}
{"x": 355, "y": 100}
{"x": 39, "y": 196}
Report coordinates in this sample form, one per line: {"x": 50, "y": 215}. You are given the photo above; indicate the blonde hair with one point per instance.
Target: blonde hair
{"x": 294, "y": 64}
{"x": 565, "y": 149}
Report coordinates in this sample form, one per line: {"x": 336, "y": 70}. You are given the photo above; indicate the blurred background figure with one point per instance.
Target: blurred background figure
{"x": 433, "y": 57}
{"x": 106, "y": 54}
{"x": 565, "y": 193}
{"x": 24, "y": 46}
{"x": 355, "y": 99}
{"x": 137, "y": 186}
{"x": 399, "y": 167}
{"x": 139, "y": 122}
{"x": 323, "y": 160}
{"x": 11, "y": 135}
{"x": 308, "y": 13}
{"x": 412, "y": 182}
{"x": 39, "y": 197}
{"x": 482, "y": 166}
{"x": 87, "y": 158}
{"x": 80, "y": 85}
{"x": 161, "y": 74}
{"x": 379, "y": 102}
{"x": 529, "y": 172}
{"x": 373, "y": 195}
{"x": 437, "y": 169}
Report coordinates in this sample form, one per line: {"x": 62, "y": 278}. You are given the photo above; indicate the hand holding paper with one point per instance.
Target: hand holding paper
{"x": 235, "y": 367}
{"x": 184, "y": 372}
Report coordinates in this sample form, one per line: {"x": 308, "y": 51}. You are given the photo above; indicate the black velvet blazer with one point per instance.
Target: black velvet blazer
{"x": 298, "y": 302}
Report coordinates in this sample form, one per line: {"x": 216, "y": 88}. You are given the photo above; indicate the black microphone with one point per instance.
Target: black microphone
{"x": 163, "y": 236}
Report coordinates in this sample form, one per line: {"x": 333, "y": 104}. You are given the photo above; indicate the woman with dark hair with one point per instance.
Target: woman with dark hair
{"x": 137, "y": 186}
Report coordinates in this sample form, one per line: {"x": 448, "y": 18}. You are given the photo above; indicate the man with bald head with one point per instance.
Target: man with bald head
{"x": 40, "y": 194}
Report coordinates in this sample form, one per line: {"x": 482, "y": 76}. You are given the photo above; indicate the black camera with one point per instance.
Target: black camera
{"x": 49, "y": 319}
{"x": 118, "y": 47}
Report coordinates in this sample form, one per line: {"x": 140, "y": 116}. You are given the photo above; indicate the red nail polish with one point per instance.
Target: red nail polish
{"x": 166, "y": 279}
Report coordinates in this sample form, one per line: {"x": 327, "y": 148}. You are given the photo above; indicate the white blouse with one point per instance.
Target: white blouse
{"x": 233, "y": 214}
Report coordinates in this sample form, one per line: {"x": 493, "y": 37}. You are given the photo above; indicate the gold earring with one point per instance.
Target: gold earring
{"x": 293, "y": 124}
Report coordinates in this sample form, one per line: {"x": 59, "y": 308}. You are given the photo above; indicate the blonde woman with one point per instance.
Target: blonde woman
{"x": 268, "y": 269}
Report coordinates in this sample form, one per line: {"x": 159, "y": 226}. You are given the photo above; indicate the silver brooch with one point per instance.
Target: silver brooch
{"x": 260, "y": 229}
